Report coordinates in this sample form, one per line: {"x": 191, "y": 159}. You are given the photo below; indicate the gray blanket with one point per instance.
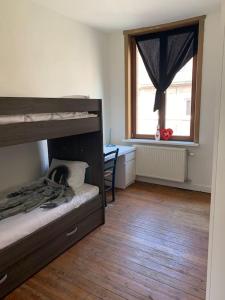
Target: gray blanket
{"x": 43, "y": 193}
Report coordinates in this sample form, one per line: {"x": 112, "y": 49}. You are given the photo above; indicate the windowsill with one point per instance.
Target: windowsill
{"x": 168, "y": 143}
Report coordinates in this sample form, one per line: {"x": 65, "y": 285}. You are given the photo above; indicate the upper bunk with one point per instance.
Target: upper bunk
{"x": 24, "y": 120}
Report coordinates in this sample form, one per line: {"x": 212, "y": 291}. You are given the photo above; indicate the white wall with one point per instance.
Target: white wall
{"x": 200, "y": 165}
{"x": 216, "y": 261}
{"x": 44, "y": 54}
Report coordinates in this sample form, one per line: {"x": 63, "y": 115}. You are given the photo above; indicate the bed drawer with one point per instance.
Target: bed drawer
{"x": 19, "y": 272}
{"x": 49, "y": 232}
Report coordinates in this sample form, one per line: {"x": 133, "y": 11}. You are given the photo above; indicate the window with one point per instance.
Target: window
{"x": 181, "y": 108}
{"x": 188, "y": 107}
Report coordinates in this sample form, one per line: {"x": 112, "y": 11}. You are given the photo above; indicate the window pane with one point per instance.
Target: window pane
{"x": 147, "y": 120}
{"x": 178, "y": 102}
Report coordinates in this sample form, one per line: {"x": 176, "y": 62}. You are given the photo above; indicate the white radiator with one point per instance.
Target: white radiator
{"x": 167, "y": 163}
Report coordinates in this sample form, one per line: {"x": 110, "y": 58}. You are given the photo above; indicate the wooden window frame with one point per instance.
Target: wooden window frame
{"x": 130, "y": 80}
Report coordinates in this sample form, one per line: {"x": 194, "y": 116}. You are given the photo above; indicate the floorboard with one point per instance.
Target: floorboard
{"x": 153, "y": 246}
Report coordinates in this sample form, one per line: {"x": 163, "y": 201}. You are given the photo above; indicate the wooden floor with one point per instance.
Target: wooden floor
{"x": 153, "y": 246}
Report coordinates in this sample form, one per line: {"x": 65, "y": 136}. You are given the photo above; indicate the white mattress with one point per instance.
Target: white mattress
{"x": 12, "y": 119}
{"x": 16, "y": 227}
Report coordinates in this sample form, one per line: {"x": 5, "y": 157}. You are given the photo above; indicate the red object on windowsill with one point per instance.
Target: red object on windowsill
{"x": 166, "y": 134}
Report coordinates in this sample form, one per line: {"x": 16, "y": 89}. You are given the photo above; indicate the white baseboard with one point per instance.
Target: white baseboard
{"x": 185, "y": 185}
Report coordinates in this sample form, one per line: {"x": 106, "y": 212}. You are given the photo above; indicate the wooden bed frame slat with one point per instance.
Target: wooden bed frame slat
{"x": 20, "y": 133}
{"x": 19, "y": 105}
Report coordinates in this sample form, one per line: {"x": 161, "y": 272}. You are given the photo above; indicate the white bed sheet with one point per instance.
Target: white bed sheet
{"x": 12, "y": 119}
{"x": 16, "y": 227}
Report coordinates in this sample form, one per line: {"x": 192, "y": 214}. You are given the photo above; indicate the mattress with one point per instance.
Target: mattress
{"x": 12, "y": 119}
{"x": 16, "y": 227}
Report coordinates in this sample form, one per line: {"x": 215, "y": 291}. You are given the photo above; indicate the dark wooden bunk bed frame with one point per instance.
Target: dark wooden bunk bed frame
{"x": 77, "y": 139}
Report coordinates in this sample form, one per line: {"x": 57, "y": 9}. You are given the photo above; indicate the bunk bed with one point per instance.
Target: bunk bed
{"x": 73, "y": 130}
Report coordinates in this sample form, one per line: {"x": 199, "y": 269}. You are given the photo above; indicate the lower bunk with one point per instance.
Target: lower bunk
{"x": 44, "y": 236}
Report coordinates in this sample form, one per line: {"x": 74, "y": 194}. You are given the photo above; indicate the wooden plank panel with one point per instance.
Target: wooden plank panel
{"x": 20, "y": 105}
{"x": 13, "y": 134}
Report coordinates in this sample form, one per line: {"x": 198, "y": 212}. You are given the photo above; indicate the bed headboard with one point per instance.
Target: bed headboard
{"x": 85, "y": 147}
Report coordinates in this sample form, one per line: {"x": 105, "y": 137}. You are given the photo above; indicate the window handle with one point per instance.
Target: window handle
{"x": 72, "y": 232}
{"x": 3, "y": 279}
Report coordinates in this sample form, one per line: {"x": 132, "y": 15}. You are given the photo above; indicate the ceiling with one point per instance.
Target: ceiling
{"x": 109, "y": 15}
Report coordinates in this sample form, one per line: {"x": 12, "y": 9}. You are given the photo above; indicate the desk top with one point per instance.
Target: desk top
{"x": 122, "y": 149}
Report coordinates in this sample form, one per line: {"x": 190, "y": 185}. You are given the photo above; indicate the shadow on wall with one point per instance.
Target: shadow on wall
{"x": 22, "y": 163}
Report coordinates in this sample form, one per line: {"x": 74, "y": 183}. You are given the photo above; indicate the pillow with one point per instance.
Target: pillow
{"x": 76, "y": 171}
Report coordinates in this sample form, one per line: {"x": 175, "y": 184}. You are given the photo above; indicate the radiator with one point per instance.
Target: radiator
{"x": 167, "y": 163}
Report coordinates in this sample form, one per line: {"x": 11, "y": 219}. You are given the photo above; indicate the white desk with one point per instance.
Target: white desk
{"x": 126, "y": 165}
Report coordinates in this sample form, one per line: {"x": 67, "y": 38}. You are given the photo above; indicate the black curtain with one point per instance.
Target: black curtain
{"x": 164, "y": 54}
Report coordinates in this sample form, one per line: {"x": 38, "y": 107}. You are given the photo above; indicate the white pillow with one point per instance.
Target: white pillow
{"x": 77, "y": 171}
